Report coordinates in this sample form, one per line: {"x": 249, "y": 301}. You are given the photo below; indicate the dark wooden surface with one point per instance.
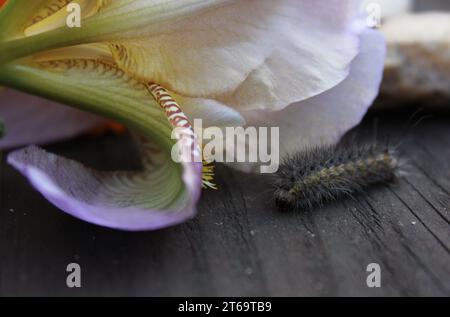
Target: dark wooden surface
{"x": 239, "y": 245}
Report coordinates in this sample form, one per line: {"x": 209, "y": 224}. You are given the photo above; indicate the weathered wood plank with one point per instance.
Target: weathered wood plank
{"x": 240, "y": 244}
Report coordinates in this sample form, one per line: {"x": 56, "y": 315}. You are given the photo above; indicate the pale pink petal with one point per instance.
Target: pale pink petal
{"x": 33, "y": 120}
{"x": 153, "y": 198}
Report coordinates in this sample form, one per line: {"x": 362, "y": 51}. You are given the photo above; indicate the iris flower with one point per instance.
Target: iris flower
{"x": 309, "y": 67}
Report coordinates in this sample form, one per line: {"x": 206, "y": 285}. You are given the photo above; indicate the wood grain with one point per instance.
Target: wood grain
{"x": 239, "y": 244}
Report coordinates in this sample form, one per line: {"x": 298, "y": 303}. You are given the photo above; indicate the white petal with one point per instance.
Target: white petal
{"x": 250, "y": 54}
{"x": 211, "y": 112}
{"x": 273, "y": 52}
{"x": 323, "y": 119}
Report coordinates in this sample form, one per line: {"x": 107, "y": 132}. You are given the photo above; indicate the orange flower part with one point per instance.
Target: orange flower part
{"x": 109, "y": 126}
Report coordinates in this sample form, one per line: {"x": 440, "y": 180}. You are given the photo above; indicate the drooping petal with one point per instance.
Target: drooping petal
{"x": 164, "y": 193}
{"x": 210, "y": 48}
{"x": 211, "y": 112}
{"x": 267, "y": 42}
{"x": 325, "y": 118}
{"x": 33, "y": 120}
{"x": 149, "y": 199}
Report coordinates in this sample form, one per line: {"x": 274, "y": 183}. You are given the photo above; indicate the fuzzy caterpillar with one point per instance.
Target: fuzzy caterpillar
{"x": 316, "y": 176}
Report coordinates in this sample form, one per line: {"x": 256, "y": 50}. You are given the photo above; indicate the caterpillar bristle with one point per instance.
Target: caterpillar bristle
{"x": 319, "y": 175}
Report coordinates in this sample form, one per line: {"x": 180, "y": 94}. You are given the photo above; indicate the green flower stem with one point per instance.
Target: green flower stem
{"x": 143, "y": 116}
{"x": 18, "y": 48}
{"x": 109, "y": 93}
